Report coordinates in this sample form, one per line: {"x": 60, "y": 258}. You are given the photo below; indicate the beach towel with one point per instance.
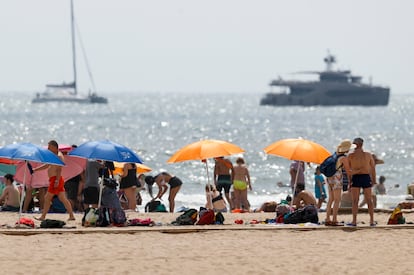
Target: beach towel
{"x": 140, "y": 222}
{"x": 26, "y": 221}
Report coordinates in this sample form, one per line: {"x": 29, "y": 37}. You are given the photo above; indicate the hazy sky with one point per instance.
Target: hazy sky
{"x": 204, "y": 46}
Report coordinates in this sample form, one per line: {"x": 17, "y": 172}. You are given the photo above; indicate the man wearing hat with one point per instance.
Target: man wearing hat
{"x": 362, "y": 166}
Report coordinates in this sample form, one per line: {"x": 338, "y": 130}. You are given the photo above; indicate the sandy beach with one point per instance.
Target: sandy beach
{"x": 215, "y": 249}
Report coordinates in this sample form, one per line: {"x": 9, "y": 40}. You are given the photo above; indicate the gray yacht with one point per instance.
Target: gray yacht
{"x": 335, "y": 87}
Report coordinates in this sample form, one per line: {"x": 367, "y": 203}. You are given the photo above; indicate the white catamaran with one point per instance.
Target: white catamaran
{"x": 68, "y": 92}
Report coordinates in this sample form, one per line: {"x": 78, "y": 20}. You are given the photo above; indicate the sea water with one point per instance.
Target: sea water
{"x": 156, "y": 125}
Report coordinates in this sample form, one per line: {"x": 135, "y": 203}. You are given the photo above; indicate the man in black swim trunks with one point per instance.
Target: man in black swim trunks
{"x": 362, "y": 166}
{"x": 223, "y": 177}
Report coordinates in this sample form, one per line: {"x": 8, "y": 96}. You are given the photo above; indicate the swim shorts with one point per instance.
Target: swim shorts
{"x": 56, "y": 190}
{"x": 224, "y": 182}
{"x": 361, "y": 181}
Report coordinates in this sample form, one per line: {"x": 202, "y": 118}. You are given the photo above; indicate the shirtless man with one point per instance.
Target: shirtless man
{"x": 223, "y": 177}
{"x": 11, "y": 195}
{"x": 56, "y": 183}
{"x": 304, "y": 198}
{"x": 362, "y": 166}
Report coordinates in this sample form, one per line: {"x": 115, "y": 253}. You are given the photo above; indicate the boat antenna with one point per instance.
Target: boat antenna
{"x": 329, "y": 60}
{"x": 72, "y": 17}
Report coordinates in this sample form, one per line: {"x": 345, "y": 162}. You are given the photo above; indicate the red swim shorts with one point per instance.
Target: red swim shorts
{"x": 56, "y": 190}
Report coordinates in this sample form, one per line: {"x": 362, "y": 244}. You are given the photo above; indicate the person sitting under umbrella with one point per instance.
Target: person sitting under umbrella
{"x": 10, "y": 196}
{"x": 162, "y": 179}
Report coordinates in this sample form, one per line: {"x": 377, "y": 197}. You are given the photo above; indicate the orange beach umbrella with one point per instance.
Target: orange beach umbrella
{"x": 205, "y": 149}
{"x": 141, "y": 168}
{"x": 298, "y": 149}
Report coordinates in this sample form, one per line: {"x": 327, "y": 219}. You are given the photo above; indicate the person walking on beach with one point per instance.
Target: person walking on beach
{"x": 335, "y": 183}
{"x": 162, "y": 179}
{"x": 362, "y": 166}
{"x": 241, "y": 181}
{"x": 320, "y": 192}
{"x": 223, "y": 177}
{"x": 10, "y": 198}
{"x": 56, "y": 183}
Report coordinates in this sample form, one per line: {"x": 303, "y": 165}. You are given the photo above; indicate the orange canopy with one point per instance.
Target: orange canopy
{"x": 205, "y": 149}
{"x": 298, "y": 149}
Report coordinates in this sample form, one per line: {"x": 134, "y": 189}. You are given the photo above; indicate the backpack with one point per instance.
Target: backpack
{"x": 219, "y": 219}
{"x": 189, "y": 217}
{"x": 155, "y": 206}
{"x": 207, "y": 217}
{"x": 118, "y": 217}
{"x": 104, "y": 217}
{"x": 328, "y": 166}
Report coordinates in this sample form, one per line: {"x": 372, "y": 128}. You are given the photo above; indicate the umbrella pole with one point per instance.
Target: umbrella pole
{"x": 100, "y": 191}
{"x": 22, "y": 197}
{"x": 294, "y": 186}
{"x": 208, "y": 183}
{"x": 208, "y": 177}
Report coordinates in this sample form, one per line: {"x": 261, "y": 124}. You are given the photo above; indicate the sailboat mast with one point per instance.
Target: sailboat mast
{"x": 72, "y": 20}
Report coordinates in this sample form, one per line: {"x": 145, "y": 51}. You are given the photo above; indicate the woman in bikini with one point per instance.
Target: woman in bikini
{"x": 214, "y": 199}
{"x": 162, "y": 179}
{"x": 241, "y": 181}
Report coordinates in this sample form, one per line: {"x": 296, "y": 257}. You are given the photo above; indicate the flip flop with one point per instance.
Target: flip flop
{"x": 351, "y": 224}
{"x": 328, "y": 223}
{"x": 337, "y": 224}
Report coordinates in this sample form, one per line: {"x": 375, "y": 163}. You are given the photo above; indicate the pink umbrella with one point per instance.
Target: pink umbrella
{"x": 73, "y": 167}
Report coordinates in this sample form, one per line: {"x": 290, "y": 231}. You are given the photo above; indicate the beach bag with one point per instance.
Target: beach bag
{"x": 396, "y": 217}
{"x": 49, "y": 223}
{"x": 118, "y": 217}
{"x": 110, "y": 183}
{"x": 219, "y": 219}
{"x": 189, "y": 217}
{"x": 90, "y": 217}
{"x": 328, "y": 166}
{"x": 155, "y": 206}
{"x": 110, "y": 198}
{"x": 104, "y": 217}
{"x": 306, "y": 214}
{"x": 151, "y": 206}
{"x": 207, "y": 217}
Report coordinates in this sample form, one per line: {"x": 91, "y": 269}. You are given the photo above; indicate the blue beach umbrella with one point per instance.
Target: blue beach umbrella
{"x": 29, "y": 152}
{"x": 105, "y": 150}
